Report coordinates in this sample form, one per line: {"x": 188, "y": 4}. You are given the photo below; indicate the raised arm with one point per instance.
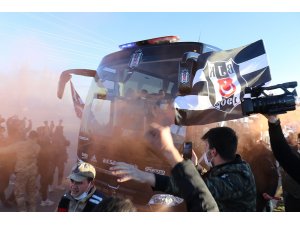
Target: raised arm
{"x": 184, "y": 174}
{"x": 283, "y": 153}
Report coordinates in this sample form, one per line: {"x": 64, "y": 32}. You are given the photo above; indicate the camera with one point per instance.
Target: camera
{"x": 256, "y": 100}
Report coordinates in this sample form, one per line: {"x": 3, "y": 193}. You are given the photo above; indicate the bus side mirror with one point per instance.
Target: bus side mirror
{"x": 66, "y": 76}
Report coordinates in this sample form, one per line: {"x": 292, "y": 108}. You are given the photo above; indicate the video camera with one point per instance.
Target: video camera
{"x": 254, "y": 102}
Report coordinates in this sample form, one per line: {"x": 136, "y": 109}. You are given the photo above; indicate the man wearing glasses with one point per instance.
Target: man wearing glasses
{"x": 82, "y": 195}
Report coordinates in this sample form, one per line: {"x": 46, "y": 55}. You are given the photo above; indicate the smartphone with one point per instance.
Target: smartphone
{"x": 187, "y": 150}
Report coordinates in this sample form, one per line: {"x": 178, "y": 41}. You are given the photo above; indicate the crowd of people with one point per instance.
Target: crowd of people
{"x": 228, "y": 185}
{"x": 31, "y": 156}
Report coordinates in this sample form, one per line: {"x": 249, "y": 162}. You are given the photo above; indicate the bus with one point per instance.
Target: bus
{"x": 130, "y": 89}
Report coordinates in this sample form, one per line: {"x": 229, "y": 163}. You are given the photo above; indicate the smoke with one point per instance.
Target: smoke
{"x": 252, "y": 128}
{"x": 31, "y": 94}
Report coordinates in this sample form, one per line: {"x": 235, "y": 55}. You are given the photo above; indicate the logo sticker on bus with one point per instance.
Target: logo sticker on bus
{"x": 153, "y": 170}
{"x": 135, "y": 59}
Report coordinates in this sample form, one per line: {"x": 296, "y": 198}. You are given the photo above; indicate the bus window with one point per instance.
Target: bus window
{"x": 101, "y": 111}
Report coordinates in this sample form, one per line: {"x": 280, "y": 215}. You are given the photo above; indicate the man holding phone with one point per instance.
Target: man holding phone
{"x": 191, "y": 186}
{"x": 230, "y": 180}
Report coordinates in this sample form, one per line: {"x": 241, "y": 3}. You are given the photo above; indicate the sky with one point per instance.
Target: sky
{"x": 58, "y": 41}
{"x": 49, "y": 42}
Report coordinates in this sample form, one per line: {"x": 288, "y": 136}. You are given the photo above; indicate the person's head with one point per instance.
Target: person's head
{"x": 144, "y": 93}
{"x": 115, "y": 204}
{"x": 163, "y": 112}
{"x": 161, "y": 92}
{"x": 221, "y": 144}
{"x": 81, "y": 179}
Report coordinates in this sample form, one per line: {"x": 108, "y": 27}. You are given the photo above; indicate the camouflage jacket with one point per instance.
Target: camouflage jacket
{"x": 26, "y": 155}
{"x": 231, "y": 184}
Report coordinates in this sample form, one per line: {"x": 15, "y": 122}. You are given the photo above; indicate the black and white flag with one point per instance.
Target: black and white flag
{"x": 78, "y": 103}
{"x": 218, "y": 84}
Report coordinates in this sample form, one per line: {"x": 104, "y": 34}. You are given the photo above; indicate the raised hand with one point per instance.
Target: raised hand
{"x": 159, "y": 139}
{"x": 126, "y": 172}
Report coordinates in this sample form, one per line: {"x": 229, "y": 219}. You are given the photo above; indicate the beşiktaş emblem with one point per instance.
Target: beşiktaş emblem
{"x": 224, "y": 84}
{"x": 135, "y": 59}
{"x": 184, "y": 76}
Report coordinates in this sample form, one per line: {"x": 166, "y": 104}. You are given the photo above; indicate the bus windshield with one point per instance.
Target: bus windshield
{"x": 132, "y": 89}
{"x": 126, "y": 100}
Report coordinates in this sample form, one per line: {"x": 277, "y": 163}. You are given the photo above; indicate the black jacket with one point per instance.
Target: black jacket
{"x": 69, "y": 204}
{"x": 287, "y": 158}
{"x": 231, "y": 184}
{"x": 192, "y": 188}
